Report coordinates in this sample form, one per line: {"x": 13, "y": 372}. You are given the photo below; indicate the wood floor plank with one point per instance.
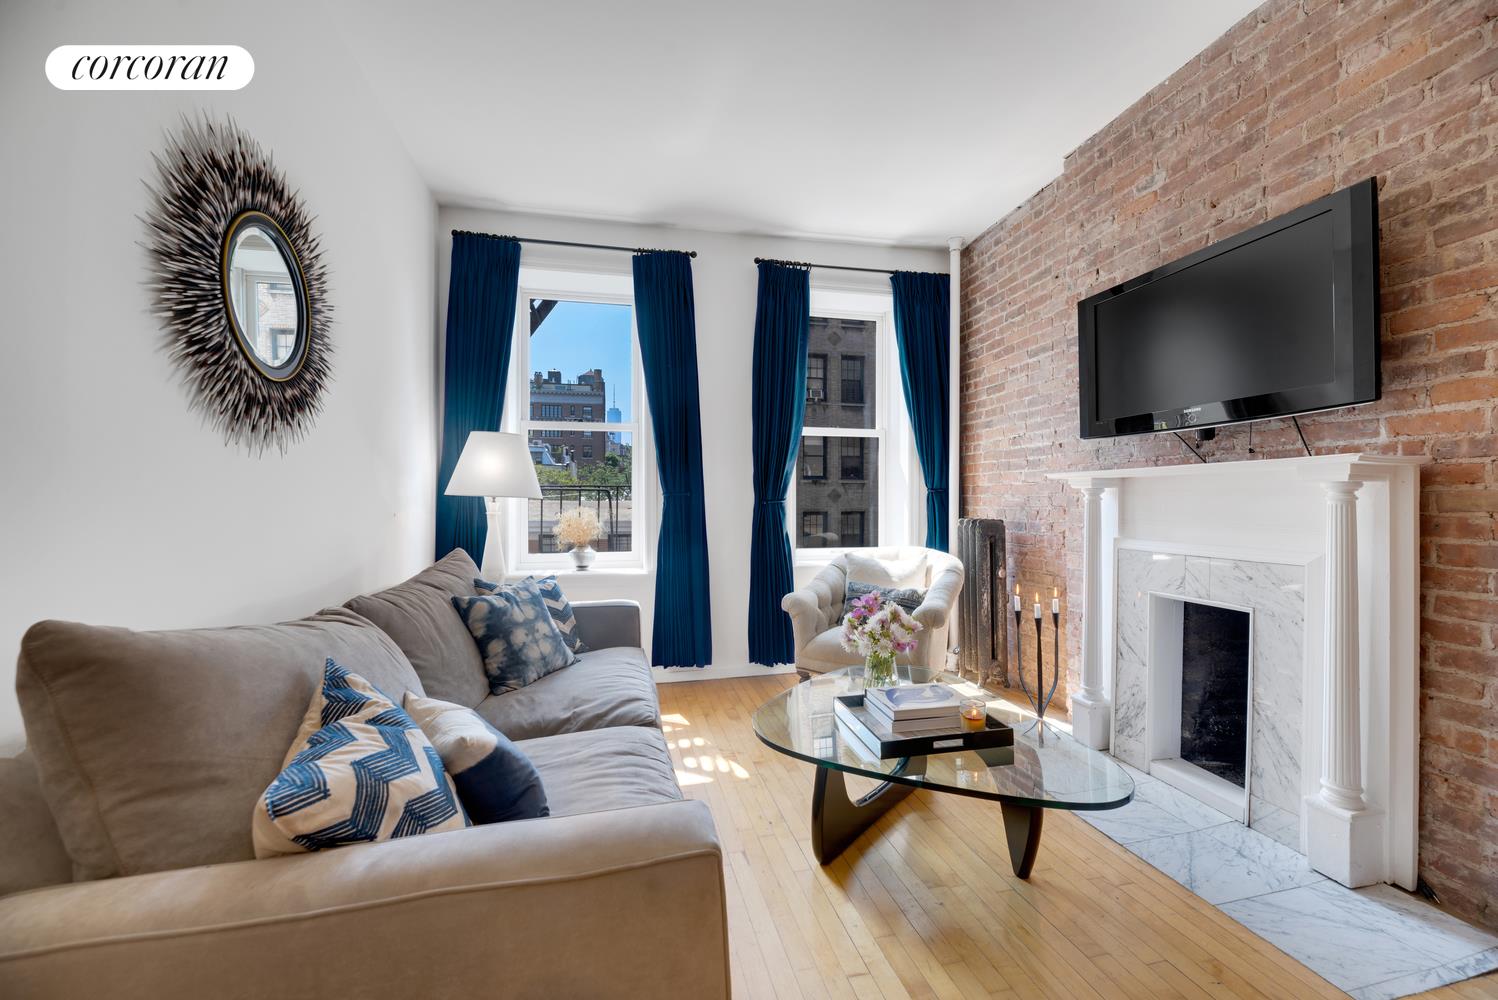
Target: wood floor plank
{"x": 924, "y": 906}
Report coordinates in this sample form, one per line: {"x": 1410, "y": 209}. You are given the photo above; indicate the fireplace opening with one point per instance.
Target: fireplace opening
{"x": 1214, "y": 689}
{"x": 1199, "y": 712}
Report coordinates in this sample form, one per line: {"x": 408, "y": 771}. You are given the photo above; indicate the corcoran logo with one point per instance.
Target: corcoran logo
{"x": 149, "y": 67}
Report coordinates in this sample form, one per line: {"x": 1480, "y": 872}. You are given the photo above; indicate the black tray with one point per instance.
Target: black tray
{"x": 850, "y": 710}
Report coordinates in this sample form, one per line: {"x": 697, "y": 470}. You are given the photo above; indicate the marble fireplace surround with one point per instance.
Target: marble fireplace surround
{"x": 1275, "y": 593}
{"x": 1324, "y": 549}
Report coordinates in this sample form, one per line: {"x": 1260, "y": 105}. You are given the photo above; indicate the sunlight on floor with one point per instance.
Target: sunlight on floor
{"x": 700, "y": 767}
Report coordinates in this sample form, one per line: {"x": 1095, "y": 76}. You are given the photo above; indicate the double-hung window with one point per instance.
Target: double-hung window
{"x": 853, "y": 475}
{"x": 816, "y": 378}
{"x": 577, "y": 394}
{"x": 852, "y": 387}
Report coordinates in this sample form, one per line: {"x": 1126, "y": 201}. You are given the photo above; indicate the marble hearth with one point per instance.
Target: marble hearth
{"x": 1322, "y": 554}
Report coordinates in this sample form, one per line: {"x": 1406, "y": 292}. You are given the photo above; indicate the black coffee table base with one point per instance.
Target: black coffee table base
{"x": 837, "y": 820}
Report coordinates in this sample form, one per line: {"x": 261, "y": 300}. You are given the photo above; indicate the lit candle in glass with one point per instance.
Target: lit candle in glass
{"x": 1016, "y": 598}
{"x": 1055, "y": 600}
{"x": 974, "y": 713}
{"x": 1037, "y": 606}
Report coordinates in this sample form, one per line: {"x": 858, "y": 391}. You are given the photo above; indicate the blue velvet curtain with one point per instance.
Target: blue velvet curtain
{"x": 922, "y": 328}
{"x": 781, "y": 322}
{"x": 666, "y": 317}
{"x": 480, "y": 320}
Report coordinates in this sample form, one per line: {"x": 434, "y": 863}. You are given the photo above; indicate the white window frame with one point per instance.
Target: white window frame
{"x": 581, "y": 286}
{"x": 900, "y": 494}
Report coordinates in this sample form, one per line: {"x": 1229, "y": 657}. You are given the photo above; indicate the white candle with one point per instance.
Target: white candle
{"x": 1016, "y": 599}
{"x": 1055, "y": 600}
{"x": 1037, "y": 605}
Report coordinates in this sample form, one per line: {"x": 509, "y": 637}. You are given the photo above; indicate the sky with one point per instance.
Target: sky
{"x": 578, "y": 336}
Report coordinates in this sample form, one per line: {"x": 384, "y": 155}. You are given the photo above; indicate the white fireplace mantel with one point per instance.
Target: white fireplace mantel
{"x": 1352, "y": 521}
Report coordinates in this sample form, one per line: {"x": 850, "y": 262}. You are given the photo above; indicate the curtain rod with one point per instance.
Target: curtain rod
{"x": 569, "y": 243}
{"x": 828, "y": 267}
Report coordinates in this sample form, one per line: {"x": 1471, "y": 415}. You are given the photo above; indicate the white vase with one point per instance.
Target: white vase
{"x": 582, "y": 557}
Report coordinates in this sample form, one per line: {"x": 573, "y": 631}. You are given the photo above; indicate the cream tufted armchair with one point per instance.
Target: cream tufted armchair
{"x": 816, "y": 610}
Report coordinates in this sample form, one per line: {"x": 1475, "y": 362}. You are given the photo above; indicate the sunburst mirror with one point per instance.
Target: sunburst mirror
{"x": 238, "y": 281}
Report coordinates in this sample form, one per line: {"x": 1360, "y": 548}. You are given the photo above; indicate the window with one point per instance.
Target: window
{"x": 838, "y": 490}
{"x": 576, "y": 354}
{"x": 851, "y": 534}
{"x": 814, "y": 458}
{"x": 813, "y": 528}
{"x": 816, "y": 378}
{"x": 852, "y": 387}
{"x": 851, "y": 465}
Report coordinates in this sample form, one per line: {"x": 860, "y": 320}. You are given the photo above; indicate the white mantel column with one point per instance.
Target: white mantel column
{"x": 1089, "y": 707}
{"x": 1346, "y": 837}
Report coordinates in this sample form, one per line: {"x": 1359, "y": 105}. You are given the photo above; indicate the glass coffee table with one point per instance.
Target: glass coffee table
{"x": 1045, "y": 769}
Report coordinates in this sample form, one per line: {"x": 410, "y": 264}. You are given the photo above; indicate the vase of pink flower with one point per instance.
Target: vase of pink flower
{"x": 878, "y": 630}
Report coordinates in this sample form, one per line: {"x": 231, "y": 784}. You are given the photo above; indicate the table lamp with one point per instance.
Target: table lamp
{"x": 494, "y": 465}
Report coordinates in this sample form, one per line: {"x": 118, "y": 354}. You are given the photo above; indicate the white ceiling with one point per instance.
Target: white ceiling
{"x": 883, "y": 120}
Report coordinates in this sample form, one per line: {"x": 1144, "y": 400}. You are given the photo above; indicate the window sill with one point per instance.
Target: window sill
{"x": 570, "y": 572}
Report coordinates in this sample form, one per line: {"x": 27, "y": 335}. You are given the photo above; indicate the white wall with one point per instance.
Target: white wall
{"x": 116, "y": 505}
{"x": 724, "y": 284}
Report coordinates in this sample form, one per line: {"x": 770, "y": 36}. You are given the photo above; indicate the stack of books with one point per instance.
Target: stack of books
{"x": 915, "y": 707}
{"x": 882, "y": 723}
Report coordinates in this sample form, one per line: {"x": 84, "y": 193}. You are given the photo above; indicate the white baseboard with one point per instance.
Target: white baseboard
{"x": 717, "y": 672}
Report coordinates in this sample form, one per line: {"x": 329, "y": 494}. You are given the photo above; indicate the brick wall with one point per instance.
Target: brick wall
{"x": 1298, "y": 99}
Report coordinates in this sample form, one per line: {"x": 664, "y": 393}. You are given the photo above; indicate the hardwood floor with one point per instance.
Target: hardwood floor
{"x": 924, "y": 905}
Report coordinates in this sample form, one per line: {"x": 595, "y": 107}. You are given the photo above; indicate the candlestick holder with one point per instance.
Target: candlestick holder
{"x": 1040, "y": 699}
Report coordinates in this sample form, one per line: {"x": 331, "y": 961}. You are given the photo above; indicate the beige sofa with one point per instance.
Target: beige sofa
{"x": 127, "y": 868}
{"x": 816, "y": 611}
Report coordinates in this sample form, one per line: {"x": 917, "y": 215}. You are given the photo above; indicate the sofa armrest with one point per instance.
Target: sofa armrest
{"x": 602, "y": 624}
{"x": 806, "y": 617}
{"x": 941, "y": 597}
{"x": 595, "y": 905}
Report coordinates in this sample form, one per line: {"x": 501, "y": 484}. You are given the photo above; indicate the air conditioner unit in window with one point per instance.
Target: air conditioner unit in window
{"x": 815, "y": 395}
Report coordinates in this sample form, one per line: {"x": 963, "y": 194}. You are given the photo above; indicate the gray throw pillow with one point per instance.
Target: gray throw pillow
{"x": 906, "y": 597}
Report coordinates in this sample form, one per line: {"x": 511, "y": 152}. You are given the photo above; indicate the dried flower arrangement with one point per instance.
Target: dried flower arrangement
{"x": 577, "y": 527}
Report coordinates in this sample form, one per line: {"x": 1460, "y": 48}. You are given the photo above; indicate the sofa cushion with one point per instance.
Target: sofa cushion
{"x": 825, "y": 652}
{"x": 607, "y": 687}
{"x": 359, "y": 771}
{"x": 419, "y": 616}
{"x": 153, "y": 746}
{"x": 496, "y": 780}
{"x": 604, "y": 769}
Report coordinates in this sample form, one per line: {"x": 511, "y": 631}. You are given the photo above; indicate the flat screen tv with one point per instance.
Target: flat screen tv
{"x": 1278, "y": 320}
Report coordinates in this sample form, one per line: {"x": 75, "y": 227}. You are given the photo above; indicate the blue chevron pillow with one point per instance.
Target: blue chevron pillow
{"x": 516, "y": 635}
{"x": 556, "y": 603}
{"x": 359, "y": 770}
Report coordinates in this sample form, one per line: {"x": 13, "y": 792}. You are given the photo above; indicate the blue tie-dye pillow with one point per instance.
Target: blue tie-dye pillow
{"x": 516, "y": 636}
{"x": 556, "y": 603}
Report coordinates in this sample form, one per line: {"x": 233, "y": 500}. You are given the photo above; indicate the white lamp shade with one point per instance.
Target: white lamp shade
{"x": 494, "y": 464}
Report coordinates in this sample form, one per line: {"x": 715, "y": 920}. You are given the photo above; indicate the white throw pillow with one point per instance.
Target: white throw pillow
{"x": 359, "y": 770}
{"x": 902, "y": 575}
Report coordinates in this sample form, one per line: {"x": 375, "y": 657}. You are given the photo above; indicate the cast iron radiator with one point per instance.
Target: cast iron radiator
{"x": 983, "y": 626}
